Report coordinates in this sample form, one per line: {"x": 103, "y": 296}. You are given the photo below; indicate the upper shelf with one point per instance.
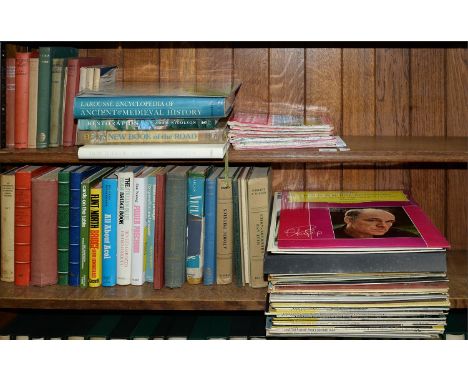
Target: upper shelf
{"x": 362, "y": 149}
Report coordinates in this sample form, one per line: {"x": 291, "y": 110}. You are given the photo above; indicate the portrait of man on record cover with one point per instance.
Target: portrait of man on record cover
{"x": 372, "y": 222}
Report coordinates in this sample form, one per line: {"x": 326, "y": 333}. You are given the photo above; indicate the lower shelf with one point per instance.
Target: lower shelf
{"x": 189, "y": 297}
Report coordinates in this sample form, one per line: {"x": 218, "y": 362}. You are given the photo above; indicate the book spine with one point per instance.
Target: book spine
{"x": 224, "y": 231}
{"x": 44, "y": 232}
{"x": 2, "y": 95}
{"x": 109, "y": 231}
{"x": 43, "y": 97}
{"x": 154, "y": 136}
{"x": 73, "y": 77}
{"x": 63, "y": 226}
{"x": 7, "y": 227}
{"x": 236, "y": 245}
{"x": 147, "y": 107}
{"x": 176, "y": 230}
{"x": 56, "y": 102}
{"x": 95, "y": 234}
{"x": 150, "y": 222}
{"x": 75, "y": 218}
{"x": 22, "y": 236}
{"x": 21, "y": 100}
{"x": 10, "y": 101}
{"x": 209, "y": 266}
{"x": 138, "y": 259}
{"x": 195, "y": 228}
{"x": 146, "y": 124}
{"x": 124, "y": 227}
{"x": 84, "y": 233}
{"x": 159, "y": 231}
{"x": 32, "y": 115}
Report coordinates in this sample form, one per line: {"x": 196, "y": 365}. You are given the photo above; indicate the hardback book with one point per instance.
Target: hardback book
{"x": 224, "y": 226}
{"x": 10, "y": 102}
{"x": 63, "y": 223}
{"x": 23, "y": 215}
{"x": 125, "y": 181}
{"x": 154, "y": 151}
{"x": 259, "y": 201}
{"x": 160, "y": 227}
{"x": 3, "y": 57}
{"x": 237, "y": 263}
{"x": 46, "y": 56}
{"x": 57, "y": 97}
{"x": 140, "y": 226}
{"x": 22, "y": 98}
{"x": 86, "y": 186}
{"x": 209, "y": 264}
{"x": 146, "y": 100}
{"x": 44, "y": 228}
{"x": 196, "y": 223}
{"x": 76, "y": 177}
{"x": 32, "y": 115}
{"x": 95, "y": 236}
{"x": 243, "y": 224}
{"x": 212, "y": 136}
{"x": 365, "y": 220}
{"x": 109, "y": 229}
{"x": 175, "y": 226}
{"x": 7, "y": 225}
{"x": 147, "y": 124}
{"x": 73, "y": 81}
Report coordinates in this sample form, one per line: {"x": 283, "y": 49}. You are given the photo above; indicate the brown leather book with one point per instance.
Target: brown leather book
{"x": 44, "y": 228}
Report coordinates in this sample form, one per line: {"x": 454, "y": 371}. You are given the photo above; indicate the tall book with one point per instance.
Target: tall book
{"x": 57, "y": 93}
{"x": 209, "y": 265}
{"x": 95, "y": 236}
{"x": 23, "y": 202}
{"x": 196, "y": 223}
{"x": 46, "y": 56}
{"x": 175, "y": 226}
{"x": 243, "y": 224}
{"x": 32, "y": 115}
{"x": 3, "y": 56}
{"x": 259, "y": 200}
{"x": 44, "y": 228}
{"x": 160, "y": 229}
{"x": 109, "y": 228}
{"x": 63, "y": 223}
{"x": 10, "y": 102}
{"x": 22, "y": 98}
{"x": 125, "y": 181}
{"x": 224, "y": 228}
{"x": 73, "y": 81}
{"x": 7, "y": 237}
{"x": 76, "y": 177}
{"x": 237, "y": 263}
{"x": 86, "y": 186}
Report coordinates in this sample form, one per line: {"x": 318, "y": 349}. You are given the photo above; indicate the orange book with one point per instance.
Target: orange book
{"x": 23, "y": 203}
{"x": 22, "y": 98}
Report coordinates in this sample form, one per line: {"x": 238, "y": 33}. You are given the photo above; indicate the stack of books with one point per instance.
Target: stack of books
{"x": 251, "y": 131}
{"x": 138, "y": 120}
{"x": 354, "y": 264}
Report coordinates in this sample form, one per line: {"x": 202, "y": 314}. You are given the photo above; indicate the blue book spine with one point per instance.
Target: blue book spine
{"x": 148, "y": 107}
{"x": 109, "y": 231}
{"x": 209, "y": 266}
{"x": 195, "y": 228}
{"x": 151, "y": 219}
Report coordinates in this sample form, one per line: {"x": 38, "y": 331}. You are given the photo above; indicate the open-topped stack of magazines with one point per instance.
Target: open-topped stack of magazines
{"x": 354, "y": 264}
{"x": 252, "y": 131}
{"x": 141, "y": 120}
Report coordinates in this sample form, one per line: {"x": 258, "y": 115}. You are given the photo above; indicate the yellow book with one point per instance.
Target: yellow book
{"x": 95, "y": 243}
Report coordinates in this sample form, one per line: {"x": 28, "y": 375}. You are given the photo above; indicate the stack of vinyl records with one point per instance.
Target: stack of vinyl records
{"x": 359, "y": 264}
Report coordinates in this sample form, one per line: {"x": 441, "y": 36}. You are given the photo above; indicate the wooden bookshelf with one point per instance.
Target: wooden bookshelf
{"x": 363, "y": 149}
{"x": 189, "y": 297}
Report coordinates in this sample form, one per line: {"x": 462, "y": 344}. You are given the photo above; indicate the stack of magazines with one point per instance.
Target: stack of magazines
{"x": 354, "y": 264}
{"x": 140, "y": 120}
{"x": 250, "y": 131}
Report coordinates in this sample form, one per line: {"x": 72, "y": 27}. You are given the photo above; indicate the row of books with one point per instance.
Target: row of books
{"x": 95, "y": 225}
{"x": 354, "y": 264}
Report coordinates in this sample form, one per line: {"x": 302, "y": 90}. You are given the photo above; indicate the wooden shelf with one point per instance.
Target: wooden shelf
{"x": 362, "y": 150}
{"x": 189, "y": 297}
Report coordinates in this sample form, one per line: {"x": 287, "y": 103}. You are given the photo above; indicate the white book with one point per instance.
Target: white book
{"x": 82, "y": 85}
{"x": 154, "y": 151}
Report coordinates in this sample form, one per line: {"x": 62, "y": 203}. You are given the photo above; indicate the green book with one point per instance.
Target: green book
{"x": 145, "y": 327}
{"x": 200, "y": 328}
{"x": 86, "y": 186}
{"x": 103, "y": 328}
{"x": 57, "y": 93}
{"x": 46, "y": 56}
{"x": 220, "y": 327}
{"x": 63, "y": 223}
{"x": 236, "y": 242}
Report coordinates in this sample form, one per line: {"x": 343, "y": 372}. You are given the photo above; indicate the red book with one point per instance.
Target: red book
{"x": 23, "y": 203}
{"x": 44, "y": 206}
{"x": 10, "y": 102}
{"x": 73, "y": 83}
{"x": 22, "y": 98}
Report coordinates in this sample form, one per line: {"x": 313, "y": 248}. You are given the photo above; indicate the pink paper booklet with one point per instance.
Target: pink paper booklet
{"x": 355, "y": 219}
